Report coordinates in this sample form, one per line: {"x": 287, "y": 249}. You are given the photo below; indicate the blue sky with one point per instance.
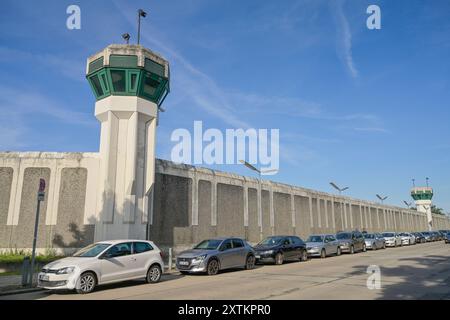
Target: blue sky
{"x": 364, "y": 108}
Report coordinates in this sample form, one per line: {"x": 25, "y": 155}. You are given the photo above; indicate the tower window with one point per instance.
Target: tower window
{"x": 118, "y": 80}
{"x": 150, "y": 85}
{"x": 97, "y": 86}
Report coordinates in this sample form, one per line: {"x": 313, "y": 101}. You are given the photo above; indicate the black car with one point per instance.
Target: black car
{"x": 420, "y": 238}
{"x": 278, "y": 249}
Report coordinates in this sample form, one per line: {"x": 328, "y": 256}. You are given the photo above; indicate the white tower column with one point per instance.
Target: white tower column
{"x": 127, "y": 153}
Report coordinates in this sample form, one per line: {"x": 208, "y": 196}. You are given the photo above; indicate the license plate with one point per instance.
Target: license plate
{"x": 184, "y": 263}
{"x": 43, "y": 277}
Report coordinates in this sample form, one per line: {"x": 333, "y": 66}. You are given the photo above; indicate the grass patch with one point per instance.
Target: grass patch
{"x": 13, "y": 273}
{"x": 17, "y": 257}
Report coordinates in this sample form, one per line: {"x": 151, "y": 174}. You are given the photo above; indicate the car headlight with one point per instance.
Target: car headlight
{"x": 268, "y": 252}
{"x": 199, "y": 259}
{"x": 66, "y": 270}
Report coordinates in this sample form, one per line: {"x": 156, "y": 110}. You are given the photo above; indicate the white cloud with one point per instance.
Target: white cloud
{"x": 344, "y": 43}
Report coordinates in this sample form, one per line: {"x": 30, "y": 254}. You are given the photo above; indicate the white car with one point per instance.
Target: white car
{"x": 407, "y": 238}
{"x": 104, "y": 262}
{"x": 392, "y": 239}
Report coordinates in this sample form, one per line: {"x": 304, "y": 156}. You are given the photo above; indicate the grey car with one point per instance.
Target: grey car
{"x": 322, "y": 245}
{"x": 374, "y": 241}
{"x": 216, "y": 254}
{"x": 351, "y": 242}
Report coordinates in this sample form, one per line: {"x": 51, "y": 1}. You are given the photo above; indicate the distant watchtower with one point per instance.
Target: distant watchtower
{"x": 130, "y": 83}
{"x": 422, "y": 197}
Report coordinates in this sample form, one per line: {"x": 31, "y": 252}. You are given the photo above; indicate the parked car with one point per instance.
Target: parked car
{"x": 447, "y": 237}
{"x": 427, "y": 235}
{"x": 351, "y": 242}
{"x": 407, "y": 238}
{"x": 322, "y": 245}
{"x": 439, "y": 236}
{"x": 420, "y": 238}
{"x": 392, "y": 239}
{"x": 216, "y": 254}
{"x": 374, "y": 241}
{"x": 435, "y": 235}
{"x": 278, "y": 249}
{"x": 104, "y": 262}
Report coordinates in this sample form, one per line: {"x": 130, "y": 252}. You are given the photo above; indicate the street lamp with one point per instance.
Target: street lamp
{"x": 260, "y": 172}
{"x": 337, "y": 188}
{"x": 381, "y": 198}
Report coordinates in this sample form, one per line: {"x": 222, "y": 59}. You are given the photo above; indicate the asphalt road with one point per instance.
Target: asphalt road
{"x": 415, "y": 272}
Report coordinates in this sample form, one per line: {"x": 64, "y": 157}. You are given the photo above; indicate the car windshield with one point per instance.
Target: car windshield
{"x": 388, "y": 234}
{"x": 404, "y": 234}
{"x": 92, "y": 250}
{"x": 426, "y": 233}
{"x": 208, "y": 245}
{"x": 341, "y": 236}
{"x": 271, "y": 241}
{"x": 315, "y": 239}
{"x": 369, "y": 236}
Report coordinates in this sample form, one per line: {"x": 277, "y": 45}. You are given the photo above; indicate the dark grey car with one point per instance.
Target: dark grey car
{"x": 216, "y": 254}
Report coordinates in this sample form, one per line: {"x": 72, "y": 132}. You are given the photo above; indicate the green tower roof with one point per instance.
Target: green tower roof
{"x": 422, "y": 193}
{"x": 129, "y": 70}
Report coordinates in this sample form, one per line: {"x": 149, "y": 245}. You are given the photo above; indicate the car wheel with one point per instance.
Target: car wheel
{"x": 364, "y": 249}
{"x": 87, "y": 283}
{"x": 409, "y": 242}
{"x": 338, "y": 251}
{"x": 384, "y": 245}
{"x": 374, "y": 246}
{"x": 279, "y": 258}
{"x": 303, "y": 256}
{"x": 352, "y": 249}
{"x": 153, "y": 274}
{"x": 323, "y": 254}
{"x": 213, "y": 267}
{"x": 250, "y": 262}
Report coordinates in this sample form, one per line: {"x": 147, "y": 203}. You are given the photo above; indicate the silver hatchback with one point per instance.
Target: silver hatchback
{"x": 217, "y": 254}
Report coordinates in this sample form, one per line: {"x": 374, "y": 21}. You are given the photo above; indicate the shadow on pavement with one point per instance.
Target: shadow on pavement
{"x": 425, "y": 278}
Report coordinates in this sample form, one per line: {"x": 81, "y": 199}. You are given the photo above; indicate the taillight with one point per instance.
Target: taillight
{"x": 161, "y": 254}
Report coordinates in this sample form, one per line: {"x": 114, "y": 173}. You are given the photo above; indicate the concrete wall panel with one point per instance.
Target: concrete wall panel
{"x": 6, "y": 176}
{"x": 70, "y": 232}
{"x": 230, "y": 210}
{"x": 283, "y": 215}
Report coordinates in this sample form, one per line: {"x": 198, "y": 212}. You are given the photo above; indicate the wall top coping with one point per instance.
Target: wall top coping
{"x": 166, "y": 165}
{"x": 49, "y": 155}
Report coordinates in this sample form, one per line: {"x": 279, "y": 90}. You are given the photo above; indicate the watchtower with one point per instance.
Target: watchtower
{"x": 130, "y": 83}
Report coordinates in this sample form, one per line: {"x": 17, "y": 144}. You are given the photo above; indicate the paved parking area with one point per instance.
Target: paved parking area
{"x": 416, "y": 272}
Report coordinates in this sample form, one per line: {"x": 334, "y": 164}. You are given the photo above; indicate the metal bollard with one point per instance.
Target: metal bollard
{"x": 25, "y": 271}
